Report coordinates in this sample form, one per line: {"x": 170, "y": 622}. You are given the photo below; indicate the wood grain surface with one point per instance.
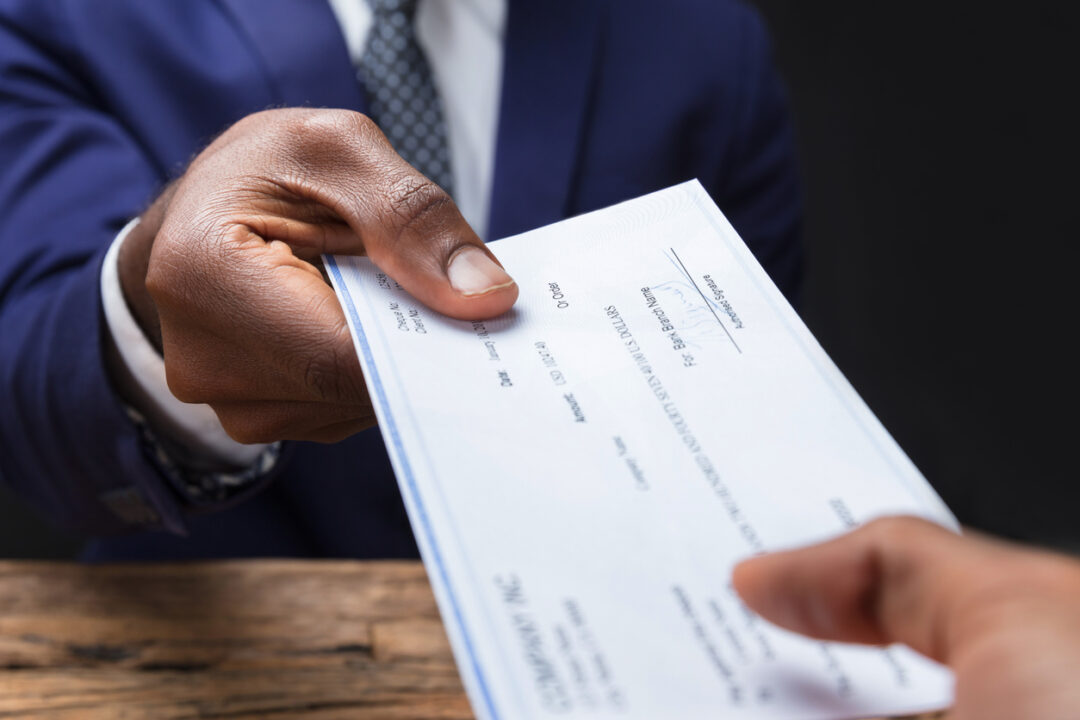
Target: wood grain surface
{"x": 236, "y": 639}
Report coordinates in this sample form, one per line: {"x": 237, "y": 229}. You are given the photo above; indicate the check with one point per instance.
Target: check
{"x": 583, "y": 472}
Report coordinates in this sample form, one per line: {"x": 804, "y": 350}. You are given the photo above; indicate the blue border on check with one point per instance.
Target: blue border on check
{"x": 391, "y": 430}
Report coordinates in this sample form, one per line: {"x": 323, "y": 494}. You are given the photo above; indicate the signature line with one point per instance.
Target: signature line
{"x": 707, "y": 303}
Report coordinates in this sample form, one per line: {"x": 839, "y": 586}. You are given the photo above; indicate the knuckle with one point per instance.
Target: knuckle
{"x": 320, "y": 379}
{"x": 182, "y": 260}
{"x": 161, "y": 271}
{"x": 184, "y": 385}
{"x": 328, "y": 131}
{"x": 414, "y": 200}
{"x": 326, "y": 356}
{"x": 352, "y": 384}
{"x": 360, "y": 124}
{"x": 321, "y": 149}
{"x": 313, "y": 123}
{"x": 328, "y": 375}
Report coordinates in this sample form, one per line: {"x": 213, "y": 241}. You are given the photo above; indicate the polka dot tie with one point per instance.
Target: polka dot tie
{"x": 401, "y": 92}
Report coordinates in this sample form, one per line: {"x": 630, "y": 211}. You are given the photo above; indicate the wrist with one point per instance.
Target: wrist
{"x": 133, "y": 259}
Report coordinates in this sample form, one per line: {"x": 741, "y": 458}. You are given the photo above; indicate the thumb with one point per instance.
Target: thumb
{"x": 411, "y": 229}
{"x": 404, "y": 222}
{"x": 892, "y": 580}
{"x": 417, "y": 235}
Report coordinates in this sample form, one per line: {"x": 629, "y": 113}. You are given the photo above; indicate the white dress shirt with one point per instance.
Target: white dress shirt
{"x": 462, "y": 40}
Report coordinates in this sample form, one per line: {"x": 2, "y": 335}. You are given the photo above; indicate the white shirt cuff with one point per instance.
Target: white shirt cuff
{"x": 196, "y": 427}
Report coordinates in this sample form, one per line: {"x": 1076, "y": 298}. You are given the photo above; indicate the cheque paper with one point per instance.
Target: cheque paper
{"x": 583, "y": 472}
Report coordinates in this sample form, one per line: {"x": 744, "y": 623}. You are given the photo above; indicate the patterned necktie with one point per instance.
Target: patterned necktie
{"x": 401, "y": 91}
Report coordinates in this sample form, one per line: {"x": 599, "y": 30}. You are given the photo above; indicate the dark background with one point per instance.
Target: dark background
{"x": 938, "y": 153}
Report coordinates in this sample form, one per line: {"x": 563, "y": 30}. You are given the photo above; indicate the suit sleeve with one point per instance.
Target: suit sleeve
{"x": 71, "y": 176}
{"x": 758, "y": 185}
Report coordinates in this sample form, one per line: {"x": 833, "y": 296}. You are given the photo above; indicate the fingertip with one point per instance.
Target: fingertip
{"x": 744, "y": 578}
{"x": 763, "y": 585}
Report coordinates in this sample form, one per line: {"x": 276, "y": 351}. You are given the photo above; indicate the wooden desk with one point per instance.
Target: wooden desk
{"x": 234, "y": 640}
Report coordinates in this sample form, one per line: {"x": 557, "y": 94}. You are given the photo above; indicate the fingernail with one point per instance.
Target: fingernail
{"x": 472, "y": 272}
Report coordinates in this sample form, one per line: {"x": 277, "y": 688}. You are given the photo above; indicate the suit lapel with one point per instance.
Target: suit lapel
{"x": 550, "y": 51}
{"x": 300, "y": 44}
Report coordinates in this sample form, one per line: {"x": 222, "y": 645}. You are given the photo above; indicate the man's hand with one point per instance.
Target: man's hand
{"x": 223, "y": 272}
{"x": 1004, "y": 618}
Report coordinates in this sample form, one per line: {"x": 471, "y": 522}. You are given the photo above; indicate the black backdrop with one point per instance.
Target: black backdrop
{"x": 940, "y": 167}
{"x": 938, "y": 153}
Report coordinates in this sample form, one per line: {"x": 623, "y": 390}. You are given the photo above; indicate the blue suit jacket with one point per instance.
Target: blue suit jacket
{"x": 102, "y": 102}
